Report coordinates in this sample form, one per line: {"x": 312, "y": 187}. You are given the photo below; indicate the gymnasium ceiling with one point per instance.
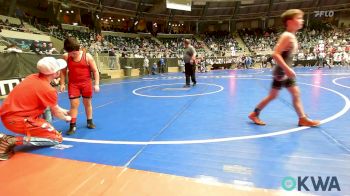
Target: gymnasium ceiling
{"x": 208, "y": 10}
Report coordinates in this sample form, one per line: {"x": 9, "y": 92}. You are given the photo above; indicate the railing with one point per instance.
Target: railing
{"x": 105, "y": 62}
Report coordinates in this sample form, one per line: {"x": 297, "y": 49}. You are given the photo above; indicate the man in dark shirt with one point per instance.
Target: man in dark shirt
{"x": 43, "y": 49}
{"x": 35, "y": 47}
{"x": 190, "y": 63}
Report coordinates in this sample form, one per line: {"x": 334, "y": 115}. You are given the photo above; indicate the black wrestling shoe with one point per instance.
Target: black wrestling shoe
{"x": 91, "y": 125}
{"x": 71, "y": 130}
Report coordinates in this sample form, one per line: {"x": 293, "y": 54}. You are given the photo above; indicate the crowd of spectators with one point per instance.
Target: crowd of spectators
{"x": 258, "y": 40}
{"x": 220, "y": 42}
{"x": 7, "y": 25}
{"x": 331, "y": 46}
{"x": 327, "y": 43}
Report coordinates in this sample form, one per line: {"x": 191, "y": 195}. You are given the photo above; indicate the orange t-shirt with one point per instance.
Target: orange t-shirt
{"x": 30, "y": 98}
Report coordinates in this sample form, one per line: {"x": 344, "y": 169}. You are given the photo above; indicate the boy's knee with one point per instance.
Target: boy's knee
{"x": 296, "y": 96}
{"x": 87, "y": 102}
{"x": 296, "y": 93}
{"x": 273, "y": 96}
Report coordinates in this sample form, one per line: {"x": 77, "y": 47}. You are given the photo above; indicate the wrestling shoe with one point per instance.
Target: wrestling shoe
{"x": 255, "y": 118}
{"x": 308, "y": 122}
{"x": 7, "y": 144}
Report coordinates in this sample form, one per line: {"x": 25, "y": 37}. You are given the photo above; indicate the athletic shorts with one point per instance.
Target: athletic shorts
{"x": 287, "y": 83}
{"x": 32, "y": 127}
{"x": 76, "y": 90}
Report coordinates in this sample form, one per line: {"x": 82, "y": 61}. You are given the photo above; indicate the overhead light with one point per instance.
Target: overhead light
{"x": 112, "y": 21}
{"x": 106, "y": 20}
{"x": 110, "y": 18}
{"x": 175, "y": 25}
{"x": 72, "y": 11}
{"x": 123, "y": 19}
{"x": 118, "y": 20}
{"x": 101, "y": 18}
{"x": 67, "y": 12}
{"x": 169, "y": 23}
{"x": 60, "y": 10}
{"x": 97, "y": 16}
{"x": 136, "y": 22}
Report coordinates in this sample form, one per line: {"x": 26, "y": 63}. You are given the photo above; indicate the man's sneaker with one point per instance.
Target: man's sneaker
{"x": 187, "y": 86}
{"x": 255, "y": 118}
{"x": 91, "y": 125}
{"x": 308, "y": 122}
{"x": 7, "y": 144}
{"x": 6, "y": 156}
{"x": 71, "y": 130}
{"x": 194, "y": 84}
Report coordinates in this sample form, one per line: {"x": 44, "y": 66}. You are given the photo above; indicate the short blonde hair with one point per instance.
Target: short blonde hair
{"x": 290, "y": 14}
{"x": 187, "y": 41}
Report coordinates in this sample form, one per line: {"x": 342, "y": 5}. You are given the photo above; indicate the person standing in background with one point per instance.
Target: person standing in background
{"x": 154, "y": 68}
{"x": 112, "y": 57}
{"x": 162, "y": 65}
{"x": 190, "y": 63}
{"x": 146, "y": 66}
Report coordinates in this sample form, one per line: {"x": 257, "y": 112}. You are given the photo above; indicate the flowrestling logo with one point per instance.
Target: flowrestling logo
{"x": 311, "y": 183}
{"x": 329, "y": 13}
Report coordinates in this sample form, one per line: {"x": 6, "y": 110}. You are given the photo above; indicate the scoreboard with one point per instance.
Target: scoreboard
{"x": 179, "y": 4}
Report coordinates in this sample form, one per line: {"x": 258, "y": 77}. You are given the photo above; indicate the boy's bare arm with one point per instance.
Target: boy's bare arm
{"x": 63, "y": 74}
{"x": 94, "y": 69}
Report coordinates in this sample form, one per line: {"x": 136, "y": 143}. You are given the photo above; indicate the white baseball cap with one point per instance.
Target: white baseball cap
{"x": 50, "y": 65}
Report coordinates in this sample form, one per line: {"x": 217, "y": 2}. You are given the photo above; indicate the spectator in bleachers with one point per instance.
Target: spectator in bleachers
{"x": 24, "y": 45}
{"x": 35, "y": 47}
{"x": 43, "y": 48}
{"x": 51, "y": 49}
{"x": 13, "y": 48}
